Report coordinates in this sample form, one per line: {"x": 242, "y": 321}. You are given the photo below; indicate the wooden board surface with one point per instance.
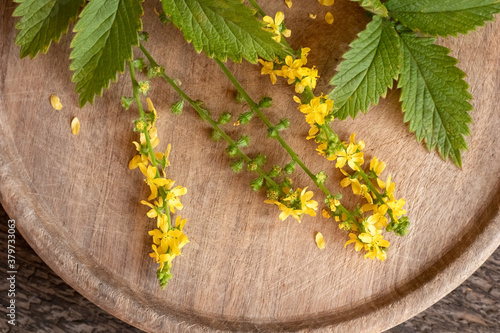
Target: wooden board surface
{"x": 77, "y": 203}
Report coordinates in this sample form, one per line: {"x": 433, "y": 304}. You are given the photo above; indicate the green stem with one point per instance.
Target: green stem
{"x": 380, "y": 199}
{"x": 257, "y": 7}
{"x": 135, "y": 87}
{"x": 204, "y": 115}
{"x": 255, "y": 108}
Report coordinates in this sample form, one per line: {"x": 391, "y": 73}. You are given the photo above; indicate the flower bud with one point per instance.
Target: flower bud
{"x": 275, "y": 171}
{"x": 239, "y": 98}
{"x": 260, "y": 160}
{"x": 256, "y": 184}
{"x": 237, "y": 166}
{"x": 288, "y": 169}
{"x": 283, "y": 124}
{"x": 266, "y": 102}
{"x": 272, "y": 132}
{"x": 232, "y": 150}
{"x": 177, "y": 107}
{"x": 224, "y": 118}
{"x": 216, "y": 135}
{"x": 245, "y": 117}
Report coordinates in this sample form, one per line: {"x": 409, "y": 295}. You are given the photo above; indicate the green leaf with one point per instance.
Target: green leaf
{"x": 443, "y": 17}
{"x": 43, "y": 21}
{"x": 223, "y": 28}
{"x": 106, "y": 32}
{"x": 373, "y": 6}
{"x": 369, "y": 68}
{"x": 434, "y": 96}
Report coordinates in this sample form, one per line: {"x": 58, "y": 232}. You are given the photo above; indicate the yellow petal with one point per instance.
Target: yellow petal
{"x": 286, "y": 33}
{"x": 313, "y": 16}
{"x": 320, "y": 241}
{"x": 55, "y": 102}
{"x": 279, "y": 18}
{"x": 365, "y": 238}
{"x": 75, "y": 126}
{"x": 329, "y": 18}
{"x": 326, "y": 2}
{"x": 134, "y": 162}
{"x": 268, "y": 20}
{"x": 150, "y": 104}
{"x": 288, "y": 3}
{"x": 325, "y": 213}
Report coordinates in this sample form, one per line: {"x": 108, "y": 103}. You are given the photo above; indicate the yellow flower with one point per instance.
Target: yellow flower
{"x": 320, "y": 241}
{"x": 268, "y": 68}
{"x": 316, "y": 110}
{"x": 389, "y": 187}
{"x": 274, "y": 26}
{"x": 349, "y": 156}
{"x": 152, "y": 181}
{"x": 297, "y": 203}
{"x": 161, "y": 219}
{"x": 172, "y": 240}
{"x": 286, "y": 211}
{"x": 358, "y": 245}
{"x": 173, "y": 196}
{"x": 308, "y": 79}
{"x": 373, "y": 245}
{"x": 160, "y": 256}
{"x": 362, "y": 190}
{"x": 325, "y": 213}
{"x": 377, "y": 166}
{"x": 333, "y": 203}
{"x": 397, "y": 207}
{"x": 378, "y": 220}
{"x": 291, "y": 69}
{"x": 309, "y": 206}
{"x": 136, "y": 160}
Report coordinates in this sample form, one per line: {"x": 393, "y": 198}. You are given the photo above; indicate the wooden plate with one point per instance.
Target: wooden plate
{"x": 77, "y": 203}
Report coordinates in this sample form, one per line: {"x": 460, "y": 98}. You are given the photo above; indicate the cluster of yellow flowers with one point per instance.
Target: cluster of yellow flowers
{"x": 295, "y": 203}
{"x": 168, "y": 238}
{"x": 293, "y": 69}
{"x": 379, "y": 203}
{"x": 366, "y": 231}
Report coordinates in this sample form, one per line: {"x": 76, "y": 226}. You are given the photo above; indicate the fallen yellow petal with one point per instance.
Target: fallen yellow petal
{"x": 325, "y": 214}
{"x": 329, "y": 18}
{"x": 313, "y": 16}
{"x": 320, "y": 241}
{"x": 75, "y": 126}
{"x": 55, "y": 102}
{"x": 288, "y": 3}
{"x": 326, "y": 2}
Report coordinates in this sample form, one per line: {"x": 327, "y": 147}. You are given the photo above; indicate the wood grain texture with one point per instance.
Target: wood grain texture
{"x": 47, "y": 304}
{"x": 77, "y": 203}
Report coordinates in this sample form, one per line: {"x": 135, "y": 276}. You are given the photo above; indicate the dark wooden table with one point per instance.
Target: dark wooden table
{"x": 45, "y": 303}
